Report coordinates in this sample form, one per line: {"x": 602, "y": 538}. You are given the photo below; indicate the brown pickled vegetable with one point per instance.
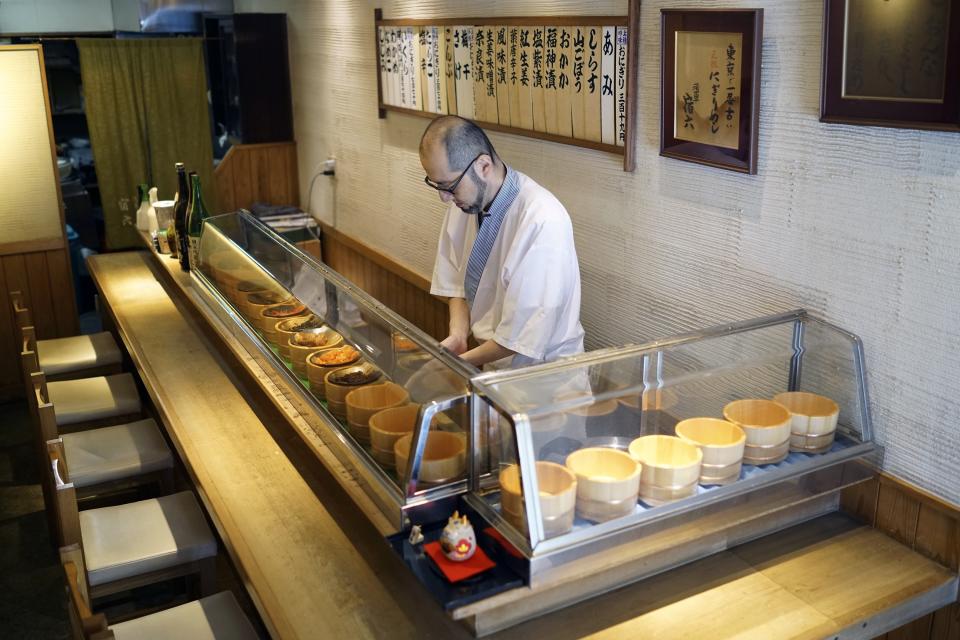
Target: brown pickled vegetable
{"x": 268, "y": 297}
{"x": 284, "y": 310}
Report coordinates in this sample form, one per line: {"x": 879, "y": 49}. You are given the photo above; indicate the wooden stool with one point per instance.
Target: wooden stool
{"x": 134, "y": 544}
{"x": 109, "y": 458}
{"x": 84, "y": 402}
{"x": 82, "y": 356}
{"x": 216, "y": 616}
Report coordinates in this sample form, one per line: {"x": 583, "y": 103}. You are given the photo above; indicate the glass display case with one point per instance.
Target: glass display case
{"x": 599, "y": 469}
{"x": 383, "y": 395}
{"x": 684, "y": 435}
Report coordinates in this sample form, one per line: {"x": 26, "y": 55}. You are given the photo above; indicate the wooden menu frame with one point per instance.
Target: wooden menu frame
{"x": 746, "y": 24}
{"x": 941, "y": 114}
{"x": 631, "y": 22}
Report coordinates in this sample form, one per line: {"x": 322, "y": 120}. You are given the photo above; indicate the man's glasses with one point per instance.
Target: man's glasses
{"x": 450, "y": 188}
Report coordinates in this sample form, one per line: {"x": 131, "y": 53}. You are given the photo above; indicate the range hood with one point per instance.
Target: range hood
{"x": 165, "y": 16}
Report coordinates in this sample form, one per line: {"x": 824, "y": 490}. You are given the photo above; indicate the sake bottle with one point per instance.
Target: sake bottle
{"x": 143, "y": 221}
{"x": 180, "y": 218}
{"x": 198, "y": 213}
{"x": 151, "y": 212}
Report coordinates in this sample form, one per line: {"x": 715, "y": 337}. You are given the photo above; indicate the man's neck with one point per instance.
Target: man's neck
{"x": 497, "y": 183}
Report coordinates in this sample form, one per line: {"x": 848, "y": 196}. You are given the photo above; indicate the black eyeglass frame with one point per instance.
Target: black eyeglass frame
{"x": 456, "y": 183}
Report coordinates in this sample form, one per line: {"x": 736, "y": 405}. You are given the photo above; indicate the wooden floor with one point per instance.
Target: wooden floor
{"x": 317, "y": 568}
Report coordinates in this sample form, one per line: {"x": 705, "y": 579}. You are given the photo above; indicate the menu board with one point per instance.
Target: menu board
{"x": 558, "y": 79}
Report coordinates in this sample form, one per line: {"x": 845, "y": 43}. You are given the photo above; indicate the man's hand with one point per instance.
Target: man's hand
{"x": 455, "y": 344}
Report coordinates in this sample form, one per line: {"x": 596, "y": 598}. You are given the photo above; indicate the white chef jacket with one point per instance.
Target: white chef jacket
{"x": 528, "y": 297}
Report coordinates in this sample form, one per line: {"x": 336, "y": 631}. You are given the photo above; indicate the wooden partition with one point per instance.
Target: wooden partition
{"x": 252, "y": 173}
{"x": 924, "y": 523}
{"x": 399, "y": 288}
{"x": 34, "y": 256}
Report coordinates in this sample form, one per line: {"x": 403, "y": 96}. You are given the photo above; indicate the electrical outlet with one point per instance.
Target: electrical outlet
{"x": 329, "y": 166}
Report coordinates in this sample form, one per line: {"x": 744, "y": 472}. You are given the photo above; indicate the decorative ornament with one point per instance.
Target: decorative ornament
{"x": 458, "y": 541}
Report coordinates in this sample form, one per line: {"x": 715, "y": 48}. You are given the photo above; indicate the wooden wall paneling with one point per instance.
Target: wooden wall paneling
{"x": 61, "y": 286}
{"x": 915, "y": 630}
{"x": 258, "y": 173}
{"x": 293, "y": 175}
{"x": 9, "y": 360}
{"x": 938, "y": 536}
{"x": 897, "y": 513}
{"x": 42, "y": 312}
{"x": 242, "y": 179}
{"x": 860, "y": 500}
{"x": 946, "y": 623}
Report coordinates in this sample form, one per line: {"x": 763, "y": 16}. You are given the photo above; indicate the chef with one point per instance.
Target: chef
{"x": 505, "y": 259}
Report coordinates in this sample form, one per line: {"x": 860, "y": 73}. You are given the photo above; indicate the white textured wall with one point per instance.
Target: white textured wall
{"x": 860, "y": 225}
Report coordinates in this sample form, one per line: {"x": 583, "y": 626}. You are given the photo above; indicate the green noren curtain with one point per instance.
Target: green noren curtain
{"x": 146, "y": 104}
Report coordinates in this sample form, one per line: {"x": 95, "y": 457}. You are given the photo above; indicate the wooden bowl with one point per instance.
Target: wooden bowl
{"x": 256, "y": 302}
{"x": 766, "y": 453}
{"x": 245, "y": 288}
{"x": 336, "y": 391}
{"x": 720, "y": 474}
{"x": 603, "y": 408}
{"x": 364, "y": 402}
{"x": 608, "y": 481}
{"x": 655, "y": 495}
{"x": 286, "y": 328}
{"x": 304, "y": 344}
{"x": 659, "y": 399}
{"x": 765, "y": 422}
{"x": 278, "y": 313}
{"x": 668, "y": 463}
{"x": 813, "y": 422}
{"x": 388, "y": 426}
{"x": 557, "y": 486}
{"x": 444, "y": 457}
{"x": 720, "y": 441}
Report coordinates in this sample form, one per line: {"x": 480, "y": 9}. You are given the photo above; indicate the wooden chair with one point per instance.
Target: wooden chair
{"x": 134, "y": 544}
{"x": 108, "y": 459}
{"x": 217, "y": 616}
{"x": 72, "y": 357}
{"x": 84, "y": 402}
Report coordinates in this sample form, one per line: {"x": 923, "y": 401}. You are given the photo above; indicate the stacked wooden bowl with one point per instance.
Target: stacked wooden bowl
{"x": 271, "y": 316}
{"x": 444, "y": 456}
{"x": 767, "y": 426}
{"x": 388, "y": 426}
{"x": 339, "y": 382}
{"x": 813, "y": 422}
{"x": 557, "y": 486}
{"x": 670, "y": 468}
{"x": 608, "y": 481}
{"x": 304, "y": 344}
{"x": 721, "y": 443}
{"x": 366, "y": 401}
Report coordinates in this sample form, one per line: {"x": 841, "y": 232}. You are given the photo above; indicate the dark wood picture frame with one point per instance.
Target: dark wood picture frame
{"x": 748, "y": 23}
{"x": 835, "y": 107}
{"x": 631, "y": 21}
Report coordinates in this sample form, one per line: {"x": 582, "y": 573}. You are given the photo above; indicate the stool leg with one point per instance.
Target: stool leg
{"x": 167, "y": 481}
{"x": 208, "y": 576}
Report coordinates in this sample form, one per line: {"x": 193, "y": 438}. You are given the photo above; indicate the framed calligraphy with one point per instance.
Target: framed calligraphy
{"x": 567, "y": 79}
{"x": 891, "y": 64}
{"x": 710, "y": 86}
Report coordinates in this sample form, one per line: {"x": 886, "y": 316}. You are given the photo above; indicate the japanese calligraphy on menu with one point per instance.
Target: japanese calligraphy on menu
{"x": 707, "y": 104}
{"x": 568, "y": 81}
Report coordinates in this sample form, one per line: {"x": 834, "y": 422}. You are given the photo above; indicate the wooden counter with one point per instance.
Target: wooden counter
{"x": 317, "y": 567}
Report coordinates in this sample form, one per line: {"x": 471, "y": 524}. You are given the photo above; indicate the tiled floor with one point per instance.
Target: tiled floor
{"x": 32, "y": 603}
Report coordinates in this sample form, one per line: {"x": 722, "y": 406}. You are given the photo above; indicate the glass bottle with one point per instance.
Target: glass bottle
{"x": 144, "y": 199}
{"x": 198, "y": 213}
{"x": 180, "y": 217}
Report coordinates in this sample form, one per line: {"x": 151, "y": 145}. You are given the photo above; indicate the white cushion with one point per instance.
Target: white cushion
{"x": 139, "y": 537}
{"x": 75, "y": 353}
{"x": 94, "y": 398}
{"x": 111, "y": 453}
{"x": 214, "y": 617}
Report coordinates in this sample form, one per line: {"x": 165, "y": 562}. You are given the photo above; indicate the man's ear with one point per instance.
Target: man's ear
{"x": 486, "y": 166}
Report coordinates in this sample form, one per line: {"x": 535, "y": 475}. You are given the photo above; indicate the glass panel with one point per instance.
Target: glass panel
{"x": 643, "y": 428}
{"x": 370, "y": 370}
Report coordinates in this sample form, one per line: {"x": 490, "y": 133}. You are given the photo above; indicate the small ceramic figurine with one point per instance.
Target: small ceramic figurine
{"x": 458, "y": 540}
{"x": 416, "y": 536}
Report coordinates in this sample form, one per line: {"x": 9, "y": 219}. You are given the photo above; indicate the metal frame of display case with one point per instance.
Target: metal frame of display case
{"x": 547, "y": 555}
{"x": 394, "y": 502}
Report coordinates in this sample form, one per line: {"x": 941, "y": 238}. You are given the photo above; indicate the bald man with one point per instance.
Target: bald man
{"x": 506, "y": 259}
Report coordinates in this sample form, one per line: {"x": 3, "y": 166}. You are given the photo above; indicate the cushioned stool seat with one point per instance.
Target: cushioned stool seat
{"x": 112, "y": 453}
{"x": 140, "y": 537}
{"x": 216, "y": 617}
{"x": 75, "y": 353}
{"x": 94, "y": 398}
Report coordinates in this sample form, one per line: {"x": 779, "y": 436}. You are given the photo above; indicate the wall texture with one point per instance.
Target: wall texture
{"x": 860, "y": 225}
